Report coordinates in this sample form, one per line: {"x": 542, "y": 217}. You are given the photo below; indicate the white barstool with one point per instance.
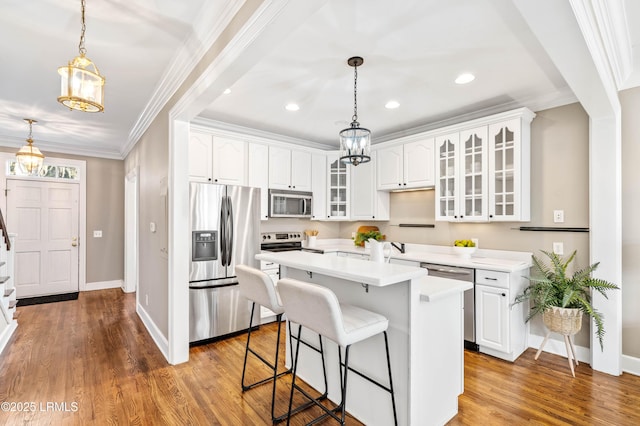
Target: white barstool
{"x": 257, "y": 287}
{"x": 317, "y": 308}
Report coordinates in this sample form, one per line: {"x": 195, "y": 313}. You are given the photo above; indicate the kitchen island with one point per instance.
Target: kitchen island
{"x": 425, "y": 337}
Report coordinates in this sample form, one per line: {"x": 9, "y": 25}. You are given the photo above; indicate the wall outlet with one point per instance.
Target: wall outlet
{"x": 146, "y": 300}
{"x": 97, "y": 234}
{"x": 353, "y": 235}
{"x": 475, "y": 241}
{"x": 558, "y": 216}
{"x": 558, "y": 248}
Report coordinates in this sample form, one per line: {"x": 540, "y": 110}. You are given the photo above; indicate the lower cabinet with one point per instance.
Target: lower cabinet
{"x": 501, "y": 330}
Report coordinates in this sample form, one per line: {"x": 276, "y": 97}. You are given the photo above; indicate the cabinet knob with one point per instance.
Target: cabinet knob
{"x": 490, "y": 215}
{"x": 399, "y": 184}
{"x": 215, "y": 180}
{"x": 373, "y": 217}
{"x": 209, "y": 179}
{"x": 289, "y": 186}
{"x": 405, "y": 184}
{"x": 504, "y": 294}
{"x": 455, "y": 217}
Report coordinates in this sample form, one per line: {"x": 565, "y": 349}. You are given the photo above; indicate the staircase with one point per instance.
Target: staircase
{"x": 8, "y": 323}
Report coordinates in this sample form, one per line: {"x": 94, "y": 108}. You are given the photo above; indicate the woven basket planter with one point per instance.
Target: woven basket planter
{"x": 563, "y": 320}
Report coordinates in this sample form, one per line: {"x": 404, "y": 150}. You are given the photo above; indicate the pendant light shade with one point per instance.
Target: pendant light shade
{"x": 29, "y": 158}
{"x": 81, "y": 85}
{"x": 355, "y": 141}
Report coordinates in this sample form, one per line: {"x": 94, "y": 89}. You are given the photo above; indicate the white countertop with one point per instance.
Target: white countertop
{"x": 358, "y": 270}
{"x": 494, "y": 260}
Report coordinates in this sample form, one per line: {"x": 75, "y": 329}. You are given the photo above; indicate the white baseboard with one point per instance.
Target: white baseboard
{"x": 161, "y": 342}
{"x": 631, "y": 365}
{"x": 102, "y": 285}
{"x": 7, "y": 333}
{"x": 558, "y": 347}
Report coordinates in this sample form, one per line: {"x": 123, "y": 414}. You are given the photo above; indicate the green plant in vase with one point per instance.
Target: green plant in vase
{"x": 361, "y": 237}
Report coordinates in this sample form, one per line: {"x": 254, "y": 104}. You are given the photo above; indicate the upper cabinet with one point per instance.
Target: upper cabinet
{"x": 337, "y": 188}
{"x": 366, "y": 202}
{"x": 216, "y": 159}
{"x": 483, "y": 169}
{"x": 289, "y": 169}
{"x": 406, "y": 166}
{"x": 319, "y": 186}
{"x": 258, "y": 174}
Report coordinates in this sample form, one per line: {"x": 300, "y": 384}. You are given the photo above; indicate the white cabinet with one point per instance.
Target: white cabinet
{"x": 216, "y": 159}
{"x": 492, "y": 325}
{"x": 501, "y": 330}
{"x": 258, "y": 174}
{"x": 338, "y": 177}
{"x": 200, "y": 157}
{"x": 509, "y": 175}
{"x": 406, "y": 166}
{"x": 366, "y": 202}
{"x": 289, "y": 169}
{"x": 319, "y": 186}
{"x": 483, "y": 169}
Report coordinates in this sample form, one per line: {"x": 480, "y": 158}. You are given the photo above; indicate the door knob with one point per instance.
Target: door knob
{"x": 74, "y": 241}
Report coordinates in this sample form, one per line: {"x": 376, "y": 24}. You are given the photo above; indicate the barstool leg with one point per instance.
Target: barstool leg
{"x": 343, "y": 404}
{"x": 393, "y": 398}
{"x": 246, "y": 349}
{"x": 293, "y": 379}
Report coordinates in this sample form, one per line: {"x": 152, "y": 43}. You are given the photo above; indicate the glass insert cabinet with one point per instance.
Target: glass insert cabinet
{"x": 483, "y": 172}
{"x": 338, "y": 188}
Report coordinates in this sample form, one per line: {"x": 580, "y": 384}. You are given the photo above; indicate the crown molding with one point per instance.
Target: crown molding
{"x": 48, "y": 147}
{"x": 612, "y": 27}
{"x": 212, "y": 20}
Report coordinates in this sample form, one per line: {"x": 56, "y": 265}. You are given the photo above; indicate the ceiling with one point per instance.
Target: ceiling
{"x": 413, "y": 51}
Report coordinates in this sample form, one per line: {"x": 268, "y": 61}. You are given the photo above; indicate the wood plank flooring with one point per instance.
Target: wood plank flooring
{"x": 91, "y": 361}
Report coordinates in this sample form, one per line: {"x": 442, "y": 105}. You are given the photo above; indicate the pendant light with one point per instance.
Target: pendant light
{"x": 81, "y": 85}
{"x": 29, "y": 158}
{"x": 355, "y": 141}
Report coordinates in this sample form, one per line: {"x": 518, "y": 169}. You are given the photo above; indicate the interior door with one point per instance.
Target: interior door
{"x": 45, "y": 217}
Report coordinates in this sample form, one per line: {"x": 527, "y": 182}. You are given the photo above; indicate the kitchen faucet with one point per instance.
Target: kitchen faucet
{"x": 400, "y": 247}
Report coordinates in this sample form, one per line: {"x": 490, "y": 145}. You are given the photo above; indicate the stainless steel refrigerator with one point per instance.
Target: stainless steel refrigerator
{"x": 225, "y": 231}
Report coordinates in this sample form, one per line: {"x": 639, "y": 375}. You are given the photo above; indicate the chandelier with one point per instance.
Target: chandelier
{"x": 355, "y": 141}
{"x": 29, "y": 158}
{"x": 81, "y": 85}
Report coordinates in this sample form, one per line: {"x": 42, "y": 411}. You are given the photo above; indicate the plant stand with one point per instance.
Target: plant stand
{"x": 571, "y": 350}
{"x": 566, "y": 322}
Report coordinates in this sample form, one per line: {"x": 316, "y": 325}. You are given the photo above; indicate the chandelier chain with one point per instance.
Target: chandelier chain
{"x": 355, "y": 94}
{"x": 81, "y": 47}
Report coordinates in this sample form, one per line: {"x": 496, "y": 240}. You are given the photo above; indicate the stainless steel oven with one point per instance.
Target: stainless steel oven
{"x": 289, "y": 203}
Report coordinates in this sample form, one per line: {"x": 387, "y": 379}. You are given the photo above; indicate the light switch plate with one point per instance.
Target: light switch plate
{"x": 558, "y": 248}
{"x": 97, "y": 234}
{"x": 558, "y": 216}
{"x": 152, "y": 226}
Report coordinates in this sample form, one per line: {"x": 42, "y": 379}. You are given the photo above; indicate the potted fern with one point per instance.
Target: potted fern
{"x": 562, "y": 299}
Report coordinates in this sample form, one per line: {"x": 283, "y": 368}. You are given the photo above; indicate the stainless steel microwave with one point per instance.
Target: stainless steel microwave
{"x": 289, "y": 203}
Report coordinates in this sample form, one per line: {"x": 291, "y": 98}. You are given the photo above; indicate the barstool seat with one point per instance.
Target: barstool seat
{"x": 257, "y": 287}
{"x": 318, "y": 309}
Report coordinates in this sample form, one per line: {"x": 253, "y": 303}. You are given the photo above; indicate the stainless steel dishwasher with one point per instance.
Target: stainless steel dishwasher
{"x": 462, "y": 274}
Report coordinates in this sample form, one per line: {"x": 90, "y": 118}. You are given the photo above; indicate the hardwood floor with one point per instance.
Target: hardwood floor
{"x": 91, "y": 361}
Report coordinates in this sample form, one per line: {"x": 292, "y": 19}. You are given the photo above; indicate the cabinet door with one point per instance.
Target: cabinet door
{"x": 229, "y": 161}
{"x": 390, "y": 168}
{"x": 473, "y": 168}
{"x": 279, "y": 168}
{"x": 508, "y": 187}
{"x": 363, "y": 192}
{"x": 258, "y": 175}
{"x": 492, "y": 318}
{"x": 300, "y": 170}
{"x": 319, "y": 186}
{"x": 338, "y": 187}
{"x": 200, "y": 157}
{"x": 419, "y": 164}
{"x": 446, "y": 176}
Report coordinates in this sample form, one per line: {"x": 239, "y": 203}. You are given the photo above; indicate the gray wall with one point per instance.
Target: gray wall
{"x": 105, "y": 211}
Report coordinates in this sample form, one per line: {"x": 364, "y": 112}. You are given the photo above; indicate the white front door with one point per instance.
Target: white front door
{"x": 44, "y": 215}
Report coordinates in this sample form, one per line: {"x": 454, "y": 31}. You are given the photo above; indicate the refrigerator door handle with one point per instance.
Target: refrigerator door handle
{"x": 229, "y": 230}
{"x": 223, "y": 233}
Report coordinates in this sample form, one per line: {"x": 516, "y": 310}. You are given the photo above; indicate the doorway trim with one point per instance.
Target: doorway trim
{"x": 131, "y": 204}
{"x": 81, "y": 165}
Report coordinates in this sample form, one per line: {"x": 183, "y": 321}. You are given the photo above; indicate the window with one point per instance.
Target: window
{"x": 48, "y": 171}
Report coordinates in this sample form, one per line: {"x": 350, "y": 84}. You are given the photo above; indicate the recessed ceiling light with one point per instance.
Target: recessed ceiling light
{"x": 226, "y": 91}
{"x": 392, "y": 105}
{"x": 292, "y": 107}
{"x": 465, "y": 78}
